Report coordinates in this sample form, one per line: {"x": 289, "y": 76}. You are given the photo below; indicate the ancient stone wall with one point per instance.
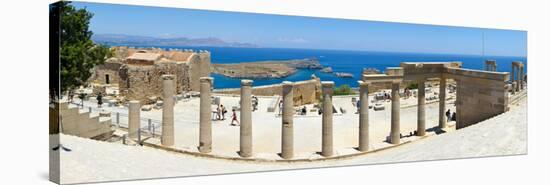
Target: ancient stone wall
{"x": 144, "y": 82}
{"x": 480, "y": 95}
{"x": 305, "y": 92}
{"x": 139, "y": 77}
{"x": 109, "y": 68}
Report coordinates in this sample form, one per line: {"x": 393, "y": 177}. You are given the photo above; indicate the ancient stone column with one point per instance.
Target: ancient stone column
{"x": 327, "y": 147}
{"x": 518, "y": 77}
{"x": 287, "y": 144}
{"x": 363, "y": 116}
{"x": 395, "y": 110}
{"x": 133, "y": 118}
{"x": 421, "y": 117}
{"x": 513, "y": 78}
{"x": 167, "y": 138}
{"x": 521, "y": 75}
{"x": 205, "y": 125}
{"x": 442, "y": 96}
{"x": 246, "y": 119}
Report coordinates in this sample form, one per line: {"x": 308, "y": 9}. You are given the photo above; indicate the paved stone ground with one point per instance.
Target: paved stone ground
{"x": 90, "y": 160}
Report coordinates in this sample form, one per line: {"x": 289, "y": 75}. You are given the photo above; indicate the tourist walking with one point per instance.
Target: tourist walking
{"x": 448, "y": 114}
{"x": 99, "y": 100}
{"x": 223, "y": 111}
{"x": 71, "y": 95}
{"x": 234, "y": 118}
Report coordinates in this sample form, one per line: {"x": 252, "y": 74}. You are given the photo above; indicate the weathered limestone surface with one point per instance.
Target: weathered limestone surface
{"x": 327, "y": 145}
{"x": 421, "y": 119}
{"x": 133, "y": 118}
{"x": 480, "y": 98}
{"x": 395, "y": 118}
{"x": 363, "y": 116}
{"x": 167, "y": 138}
{"x": 287, "y": 144}
{"x": 205, "y": 130}
{"x": 246, "y": 119}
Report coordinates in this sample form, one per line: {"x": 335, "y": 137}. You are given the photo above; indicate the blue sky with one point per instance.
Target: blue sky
{"x": 302, "y": 32}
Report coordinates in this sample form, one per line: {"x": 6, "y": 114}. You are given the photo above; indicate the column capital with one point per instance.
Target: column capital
{"x": 363, "y": 83}
{"x": 206, "y": 79}
{"x": 167, "y": 77}
{"x": 246, "y": 82}
{"x": 327, "y": 84}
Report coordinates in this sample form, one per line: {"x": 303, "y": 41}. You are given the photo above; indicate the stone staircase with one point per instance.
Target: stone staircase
{"x": 74, "y": 121}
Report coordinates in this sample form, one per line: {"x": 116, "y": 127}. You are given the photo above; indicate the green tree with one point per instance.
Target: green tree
{"x": 343, "y": 90}
{"x": 413, "y": 86}
{"x": 78, "y": 53}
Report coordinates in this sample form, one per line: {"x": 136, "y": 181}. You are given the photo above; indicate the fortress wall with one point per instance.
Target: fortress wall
{"x": 305, "y": 92}
{"x": 480, "y": 95}
{"x": 142, "y": 82}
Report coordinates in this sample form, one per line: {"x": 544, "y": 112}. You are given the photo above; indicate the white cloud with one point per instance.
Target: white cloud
{"x": 292, "y": 40}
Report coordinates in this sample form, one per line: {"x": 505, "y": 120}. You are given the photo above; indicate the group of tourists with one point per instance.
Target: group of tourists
{"x": 450, "y": 117}
{"x": 220, "y": 115}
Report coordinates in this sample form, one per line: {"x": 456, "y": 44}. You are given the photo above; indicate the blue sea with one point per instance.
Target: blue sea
{"x": 341, "y": 61}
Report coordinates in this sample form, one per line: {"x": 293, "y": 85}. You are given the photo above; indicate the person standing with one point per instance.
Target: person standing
{"x": 99, "y": 100}
{"x": 280, "y": 107}
{"x": 218, "y": 112}
{"x": 453, "y": 118}
{"x": 448, "y": 114}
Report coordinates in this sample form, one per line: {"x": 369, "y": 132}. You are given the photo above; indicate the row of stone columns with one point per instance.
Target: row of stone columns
{"x": 517, "y": 77}
{"x": 490, "y": 65}
{"x": 287, "y": 146}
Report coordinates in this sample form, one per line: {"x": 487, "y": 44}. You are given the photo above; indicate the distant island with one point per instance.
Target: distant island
{"x": 121, "y": 39}
{"x": 265, "y": 69}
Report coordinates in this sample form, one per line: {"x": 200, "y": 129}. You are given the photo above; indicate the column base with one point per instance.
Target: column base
{"x": 244, "y": 154}
{"x": 203, "y": 149}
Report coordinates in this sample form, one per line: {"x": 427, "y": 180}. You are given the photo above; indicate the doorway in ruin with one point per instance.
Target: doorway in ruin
{"x": 106, "y": 79}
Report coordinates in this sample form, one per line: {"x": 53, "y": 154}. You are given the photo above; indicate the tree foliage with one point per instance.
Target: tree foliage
{"x": 78, "y": 53}
{"x": 413, "y": 86}
{"x": 343, "y": 90}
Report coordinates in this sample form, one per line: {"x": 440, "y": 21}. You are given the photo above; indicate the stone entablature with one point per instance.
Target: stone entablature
{"x": 305, "y": 92}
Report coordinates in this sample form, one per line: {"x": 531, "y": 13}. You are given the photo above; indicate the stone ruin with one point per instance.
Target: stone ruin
{"x": 137, "y": 72}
